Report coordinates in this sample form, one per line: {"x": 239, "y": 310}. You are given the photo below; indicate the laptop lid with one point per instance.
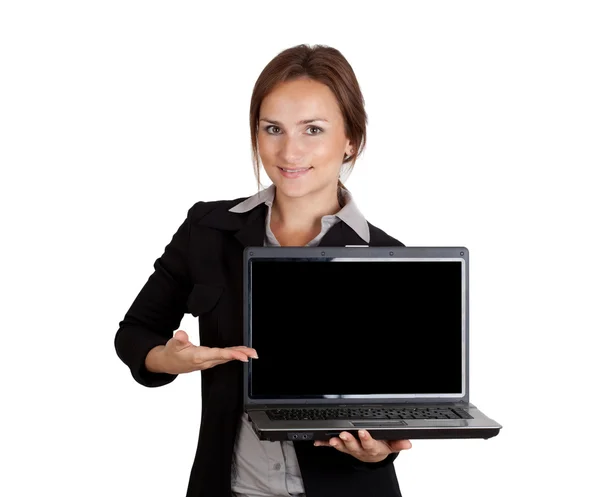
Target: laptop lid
{"x": 355, "y": 325}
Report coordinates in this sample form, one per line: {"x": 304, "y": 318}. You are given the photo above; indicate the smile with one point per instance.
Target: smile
{"x": 294, "y": 173}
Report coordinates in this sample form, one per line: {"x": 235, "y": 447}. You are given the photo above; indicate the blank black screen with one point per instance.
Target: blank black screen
{"x": 324, "y": 327}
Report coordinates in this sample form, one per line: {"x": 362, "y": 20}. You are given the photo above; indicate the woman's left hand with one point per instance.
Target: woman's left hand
{"x": 366, "y": 449}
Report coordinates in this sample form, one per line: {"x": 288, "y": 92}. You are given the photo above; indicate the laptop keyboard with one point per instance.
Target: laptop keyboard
{"x": 303, "y": 414}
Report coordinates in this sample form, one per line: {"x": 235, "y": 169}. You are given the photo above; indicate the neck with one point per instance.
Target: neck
{"x": 303, "y": 214}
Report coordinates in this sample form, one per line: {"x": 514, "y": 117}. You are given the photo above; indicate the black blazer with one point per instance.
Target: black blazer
{"x": 200, "y": 272}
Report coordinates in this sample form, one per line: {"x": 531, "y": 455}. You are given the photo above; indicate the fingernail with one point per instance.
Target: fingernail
{"x": 333, "y": 444}
{"x": 362, "y": 433}
{"x": 343, "y": 436}
{"x": 254, "y": 356}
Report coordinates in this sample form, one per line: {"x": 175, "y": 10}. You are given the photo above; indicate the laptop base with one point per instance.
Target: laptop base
{"x": 475, "y": 424}
{"x": 380, "y": 434}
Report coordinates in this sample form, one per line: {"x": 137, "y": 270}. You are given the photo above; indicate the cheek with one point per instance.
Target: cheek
{"x": 323, "y": 149}
{"x": 261, "y": 142}
{"x": 327, "y": 155}
{"x": 267, "y": 150}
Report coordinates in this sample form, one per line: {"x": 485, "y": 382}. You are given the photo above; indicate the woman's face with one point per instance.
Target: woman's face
{"x": 302, "y": 157}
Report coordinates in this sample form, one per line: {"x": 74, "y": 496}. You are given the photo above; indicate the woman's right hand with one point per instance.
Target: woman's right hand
{"x": 179, "y": 355}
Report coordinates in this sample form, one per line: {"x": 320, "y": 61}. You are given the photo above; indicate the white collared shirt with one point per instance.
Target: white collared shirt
{"x": 349, "y": 213}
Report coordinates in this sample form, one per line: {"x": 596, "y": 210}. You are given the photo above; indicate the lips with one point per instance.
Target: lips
{"x": 294, "y": 172}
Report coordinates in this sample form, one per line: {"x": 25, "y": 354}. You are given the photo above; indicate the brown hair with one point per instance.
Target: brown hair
{"x": 328, "y": 66}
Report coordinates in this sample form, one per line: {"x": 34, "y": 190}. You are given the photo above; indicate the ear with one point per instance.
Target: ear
{"x": 349, "y": 150}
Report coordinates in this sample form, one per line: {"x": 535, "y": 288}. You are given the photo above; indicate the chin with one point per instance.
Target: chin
{"x": 294, "y": 190}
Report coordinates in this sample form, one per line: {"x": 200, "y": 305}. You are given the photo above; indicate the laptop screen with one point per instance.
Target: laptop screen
{"x": 331, "y": 328}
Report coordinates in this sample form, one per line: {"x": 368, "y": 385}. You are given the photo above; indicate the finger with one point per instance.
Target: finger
{"x": 338, "y": 444}
{"x": 398, "y": 445}
{"x": 249, "y": 351}
{"x": 230, "y": 355}
{"x": 368, "y": 443}
{"x": 217, "y": 354}
{"x": 213, "y": 363}
{"x": 181, "y": 339}
{"x": 352, "y": 445}
{"x": 181, "y": 335}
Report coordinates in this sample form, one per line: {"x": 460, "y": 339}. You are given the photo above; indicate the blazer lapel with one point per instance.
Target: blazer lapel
{"x": 247, "y": 227}
{"x": 252, "y": 233}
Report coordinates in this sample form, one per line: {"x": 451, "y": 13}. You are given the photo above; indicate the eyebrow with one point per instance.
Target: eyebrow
{"x": 304, "y": 121}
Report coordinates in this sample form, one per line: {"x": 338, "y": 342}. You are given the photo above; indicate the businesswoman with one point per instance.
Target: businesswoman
{"x": 307, "y": 122}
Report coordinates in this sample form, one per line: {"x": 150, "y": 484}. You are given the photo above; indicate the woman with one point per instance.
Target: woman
{"x": 307, "y": 121}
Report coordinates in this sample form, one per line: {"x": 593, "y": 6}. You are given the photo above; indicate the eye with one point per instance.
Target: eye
{"x": 270, "y": 126}
{"x": 317, "y": 128}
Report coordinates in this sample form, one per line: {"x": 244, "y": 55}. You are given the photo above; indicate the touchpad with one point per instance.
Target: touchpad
{"x": 378, "y": 422}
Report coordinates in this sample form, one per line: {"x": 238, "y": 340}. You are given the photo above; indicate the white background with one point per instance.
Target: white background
{"x": 117, "y": 116}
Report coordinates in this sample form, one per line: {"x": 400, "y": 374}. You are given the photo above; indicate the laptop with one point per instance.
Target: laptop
{"x": 359, "y": 337}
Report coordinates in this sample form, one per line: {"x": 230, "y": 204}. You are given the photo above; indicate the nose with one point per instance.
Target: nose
{"x": 292, "y": 151}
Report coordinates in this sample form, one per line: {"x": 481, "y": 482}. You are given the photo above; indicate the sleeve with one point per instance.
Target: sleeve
{"x": 158, "y": 309}
{"x": 367, "y": 466}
